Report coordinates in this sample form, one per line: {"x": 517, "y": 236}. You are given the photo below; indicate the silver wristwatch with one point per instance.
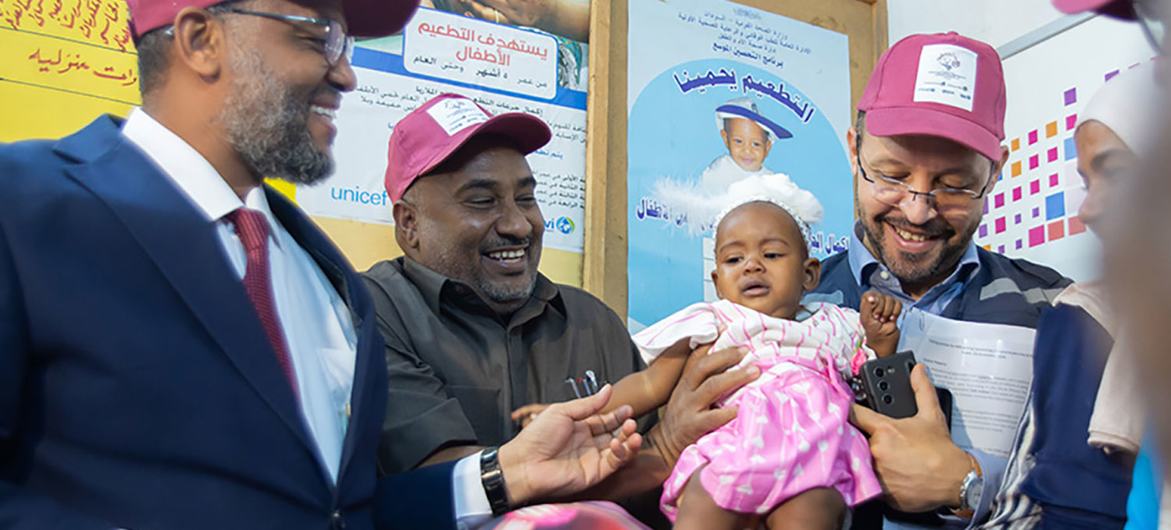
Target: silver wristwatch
{"x": 971, "y": 492}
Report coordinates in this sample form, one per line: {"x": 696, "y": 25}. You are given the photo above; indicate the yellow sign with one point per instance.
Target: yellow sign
{"x": 63, "y": 62}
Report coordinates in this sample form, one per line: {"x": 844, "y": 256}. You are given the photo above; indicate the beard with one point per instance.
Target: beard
{"x": 267, "y": 123}
{"x": 456, "y": 265}
{"x": 506, "y": 294}
{"x": 918, "y": 269}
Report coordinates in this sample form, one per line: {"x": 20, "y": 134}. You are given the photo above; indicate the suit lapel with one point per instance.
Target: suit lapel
{"x": 185, "y": 247}
{"x": 369, "y": 361}
{"x": 336, "y": 268}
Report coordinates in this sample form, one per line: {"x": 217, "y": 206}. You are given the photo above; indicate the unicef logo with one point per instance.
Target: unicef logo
{"x": 564, "y": 225}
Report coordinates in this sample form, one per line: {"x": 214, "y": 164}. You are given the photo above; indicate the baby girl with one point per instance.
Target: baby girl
{"x": 789, "y": 459}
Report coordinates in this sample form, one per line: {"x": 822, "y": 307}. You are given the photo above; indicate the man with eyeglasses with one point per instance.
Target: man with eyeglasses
{"x": 926, "y": 151}
{"x": 181, "y": 347}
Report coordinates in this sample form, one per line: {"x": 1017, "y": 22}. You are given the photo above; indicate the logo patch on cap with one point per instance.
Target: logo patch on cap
{"x": 456, "y": 114}
{"x": 947, "y": 75}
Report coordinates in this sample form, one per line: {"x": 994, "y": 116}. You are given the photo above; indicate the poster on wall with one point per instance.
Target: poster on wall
{"x": 62, "y": 64}
{"x": 566, "y": 21}
{"x": 1032, "y": 211}
{"x": 502, "y": 67}
{"x": 719, "y": 91}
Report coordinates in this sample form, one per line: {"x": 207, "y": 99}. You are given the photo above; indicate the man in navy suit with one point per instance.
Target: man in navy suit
{"x": 180, "y": 347}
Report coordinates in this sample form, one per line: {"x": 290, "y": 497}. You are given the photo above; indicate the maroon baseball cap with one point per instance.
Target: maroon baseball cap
{"x": 364, "y": 18}
{"x": 430, "y": 134}
{"x": 1116, "y": 8}
{"x": 942, "y": 84}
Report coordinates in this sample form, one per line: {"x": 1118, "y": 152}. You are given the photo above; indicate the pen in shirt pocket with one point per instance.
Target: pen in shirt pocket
{"x": 584, "y": 386}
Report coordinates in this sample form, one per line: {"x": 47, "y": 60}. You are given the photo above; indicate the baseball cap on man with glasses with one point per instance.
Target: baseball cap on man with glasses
{"x": 364, "y": 18}
{"x": 943, "y": 84}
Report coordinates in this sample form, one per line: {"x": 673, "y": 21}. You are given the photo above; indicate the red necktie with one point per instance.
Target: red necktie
{"x": 252, "y": 228}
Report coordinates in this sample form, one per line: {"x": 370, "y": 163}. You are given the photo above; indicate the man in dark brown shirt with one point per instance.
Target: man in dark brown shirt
{"x": 473, "y": 331}
{"x": 458, "y": 367}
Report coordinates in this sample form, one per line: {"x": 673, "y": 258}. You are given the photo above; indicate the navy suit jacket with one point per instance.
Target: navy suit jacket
{"x": 137, "y": 386}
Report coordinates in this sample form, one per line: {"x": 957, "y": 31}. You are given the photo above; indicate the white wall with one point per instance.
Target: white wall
{"x": 1038, "y": 79}
{"x": 993, "y": 21}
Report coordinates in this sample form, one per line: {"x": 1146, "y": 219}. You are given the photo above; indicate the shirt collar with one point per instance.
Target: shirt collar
{"x": 190, "y": 171}
{"x": 863, "y": 264}
{"x": 860, "y": 259}
{"x": 428, "y": 282}
{"x": 432, "y": 286}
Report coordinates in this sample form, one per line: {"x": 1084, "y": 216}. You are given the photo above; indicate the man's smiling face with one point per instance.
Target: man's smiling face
{"x": 918, "y": 241}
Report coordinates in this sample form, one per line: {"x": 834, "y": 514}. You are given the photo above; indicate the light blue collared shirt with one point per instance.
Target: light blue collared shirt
{"x": 871, "y": 274}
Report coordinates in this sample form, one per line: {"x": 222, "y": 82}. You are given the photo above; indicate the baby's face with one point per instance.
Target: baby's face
{"x": 762, "y": 261}
{"x": 747, "y": 142}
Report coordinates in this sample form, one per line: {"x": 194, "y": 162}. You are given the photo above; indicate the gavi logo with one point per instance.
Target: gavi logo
{"x": 561, "y": 224}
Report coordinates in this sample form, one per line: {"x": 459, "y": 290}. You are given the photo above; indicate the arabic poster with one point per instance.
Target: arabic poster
{"x": 63, "y": 63}
{"x": 1032, "y": 211}
{"x": 565, "y": 21}
{"x": 503, "y": 68}
{"x": 729, "y": 72}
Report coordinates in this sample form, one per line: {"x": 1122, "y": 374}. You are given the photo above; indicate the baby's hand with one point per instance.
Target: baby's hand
{"x": 880, "y": 314}
{"x": 525, "y": 415}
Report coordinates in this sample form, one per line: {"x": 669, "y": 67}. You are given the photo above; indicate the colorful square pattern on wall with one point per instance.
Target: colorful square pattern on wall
{"x": 1040, "y": 208}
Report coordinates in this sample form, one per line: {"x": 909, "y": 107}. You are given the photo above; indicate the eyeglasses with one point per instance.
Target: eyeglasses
{"x": 336, "y": 42}
{"x": 1148, "y": 12}
{"x": 894, "y": 192}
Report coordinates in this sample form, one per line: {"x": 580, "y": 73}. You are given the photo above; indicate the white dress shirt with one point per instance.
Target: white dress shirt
{"x": 315, "y": 320}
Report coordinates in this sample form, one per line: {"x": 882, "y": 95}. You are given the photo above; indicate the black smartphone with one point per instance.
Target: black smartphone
{"x": 884, "y": 385}
{"x": 945, "y": 403}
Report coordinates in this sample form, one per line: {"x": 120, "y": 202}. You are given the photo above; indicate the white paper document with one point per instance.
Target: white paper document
{"x": 987, "y": 367}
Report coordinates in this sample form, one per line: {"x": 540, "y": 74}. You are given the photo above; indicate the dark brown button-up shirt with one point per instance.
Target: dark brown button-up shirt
{"x": 457, "y": 369}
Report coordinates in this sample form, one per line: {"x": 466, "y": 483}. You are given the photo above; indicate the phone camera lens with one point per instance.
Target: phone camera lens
{"x": 887, "y": 399}
{"x": 879, "y": 372}
{"x": 883, "y": 386}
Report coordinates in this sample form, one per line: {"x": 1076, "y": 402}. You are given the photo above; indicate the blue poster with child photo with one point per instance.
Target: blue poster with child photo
{"x": 755, "y": 94}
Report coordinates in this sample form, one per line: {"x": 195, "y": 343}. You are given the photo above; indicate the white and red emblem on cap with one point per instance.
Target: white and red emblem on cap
{"x": 430, "y": 134}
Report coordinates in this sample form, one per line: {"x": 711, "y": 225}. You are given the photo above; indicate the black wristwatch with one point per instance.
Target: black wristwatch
{"x": 493, "y": 480}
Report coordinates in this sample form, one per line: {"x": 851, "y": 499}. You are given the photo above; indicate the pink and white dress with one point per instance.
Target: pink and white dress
{"x": 791, "y": 433}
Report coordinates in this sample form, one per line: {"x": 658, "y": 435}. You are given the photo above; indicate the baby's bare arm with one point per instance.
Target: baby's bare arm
{"x": 880, "y": 314}
{"x": 649, "y": 389}
{"x": 644, "y": 391}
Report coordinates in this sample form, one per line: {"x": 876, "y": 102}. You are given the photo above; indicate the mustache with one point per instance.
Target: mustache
{"x": 502, "y": 242}
{"x": 327, "y": 93}
{"x": 934, "y": 228}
